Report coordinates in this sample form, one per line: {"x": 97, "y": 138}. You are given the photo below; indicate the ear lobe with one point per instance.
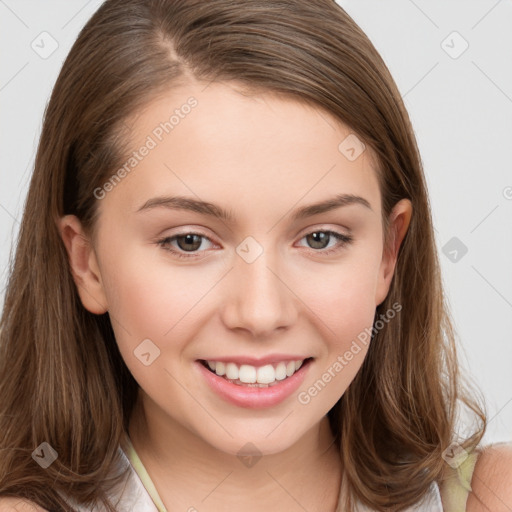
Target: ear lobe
{"x": 83, "y": 264}
{"x": 399, "y": 220}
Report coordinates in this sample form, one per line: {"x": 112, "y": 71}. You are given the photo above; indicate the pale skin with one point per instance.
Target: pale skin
{"x": 260, "y": 157}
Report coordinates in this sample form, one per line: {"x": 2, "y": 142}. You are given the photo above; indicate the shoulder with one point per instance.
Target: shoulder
{"x": 491, "y": 483}
{"x": 18, "y": 505}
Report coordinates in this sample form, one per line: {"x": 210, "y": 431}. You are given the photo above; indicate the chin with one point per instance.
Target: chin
{"x": 271, "y": 437}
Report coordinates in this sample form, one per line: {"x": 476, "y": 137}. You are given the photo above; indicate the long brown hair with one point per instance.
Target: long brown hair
{"x": 62, "y": 378}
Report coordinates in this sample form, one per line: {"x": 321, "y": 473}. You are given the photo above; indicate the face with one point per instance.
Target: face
{"x": 237, "y": 306}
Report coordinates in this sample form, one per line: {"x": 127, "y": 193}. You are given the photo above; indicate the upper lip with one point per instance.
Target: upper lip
{"x": 261, "y": 361}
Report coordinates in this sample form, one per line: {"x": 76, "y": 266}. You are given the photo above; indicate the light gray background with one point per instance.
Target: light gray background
{"x": 461, "y": 109}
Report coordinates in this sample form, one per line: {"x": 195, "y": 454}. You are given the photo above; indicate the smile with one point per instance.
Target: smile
{"x": 262, "y": 376}
{"x": 255, "y": 387}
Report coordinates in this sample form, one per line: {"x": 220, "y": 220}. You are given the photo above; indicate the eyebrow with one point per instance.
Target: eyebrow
{"x": 213, "y": 210}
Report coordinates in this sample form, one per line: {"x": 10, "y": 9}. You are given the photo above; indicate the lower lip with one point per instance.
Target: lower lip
{"x": 254, "y": 397}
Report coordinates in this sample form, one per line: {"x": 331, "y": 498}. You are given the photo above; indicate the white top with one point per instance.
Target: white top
{"x": 129, "y": 496}
{"x": 137, "y": 492}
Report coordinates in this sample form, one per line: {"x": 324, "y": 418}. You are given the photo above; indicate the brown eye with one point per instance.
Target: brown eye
{"x": 189, "y": 242}
{"x": 319, "y": 240}
{"x": 184, "y": 243}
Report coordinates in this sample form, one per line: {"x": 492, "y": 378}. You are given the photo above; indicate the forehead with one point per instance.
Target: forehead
{"x": 245, "y": 149}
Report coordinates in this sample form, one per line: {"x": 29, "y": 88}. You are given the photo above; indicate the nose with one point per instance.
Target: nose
{"x": 258, "y": 299}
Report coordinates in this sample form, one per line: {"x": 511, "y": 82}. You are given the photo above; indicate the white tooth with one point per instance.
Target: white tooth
{"x": 220, "y": 368}
{"x": 232, "y": 371}
{"x": 247, "y": 374}
{"x": 266, "y": 374}
{"x": 281, "y": 371}
{"x": 298, "y": 364}
{"x": 211, "y": 364}
{"x": 290, "y": 368}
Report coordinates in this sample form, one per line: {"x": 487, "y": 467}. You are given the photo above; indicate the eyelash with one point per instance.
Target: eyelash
{"x": 343, "y": 240}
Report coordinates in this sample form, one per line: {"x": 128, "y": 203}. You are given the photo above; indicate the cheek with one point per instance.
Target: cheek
{"x": 149, "y": 300}
{"x": 148, "y": 295}
{"x": 344, "y": 310}
{"x": 341, "y": 295}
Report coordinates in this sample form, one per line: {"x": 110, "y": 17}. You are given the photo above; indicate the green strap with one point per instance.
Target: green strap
{"x": 457, "y": 485}
{"x": 143, "y": 474}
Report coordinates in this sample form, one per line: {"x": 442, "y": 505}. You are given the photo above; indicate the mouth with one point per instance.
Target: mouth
{"x": 247, "y": 375}
{"x": 263, "y": 384}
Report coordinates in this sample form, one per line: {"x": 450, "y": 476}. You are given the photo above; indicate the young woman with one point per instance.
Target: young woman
{"x": 226, "y": 293}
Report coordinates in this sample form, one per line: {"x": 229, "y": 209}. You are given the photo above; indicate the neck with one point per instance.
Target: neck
{"x": 188, "y": 472}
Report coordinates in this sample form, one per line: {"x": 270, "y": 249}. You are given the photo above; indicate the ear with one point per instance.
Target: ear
{"x": 83, "y": 263}
{"x": 399, "y": 220}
